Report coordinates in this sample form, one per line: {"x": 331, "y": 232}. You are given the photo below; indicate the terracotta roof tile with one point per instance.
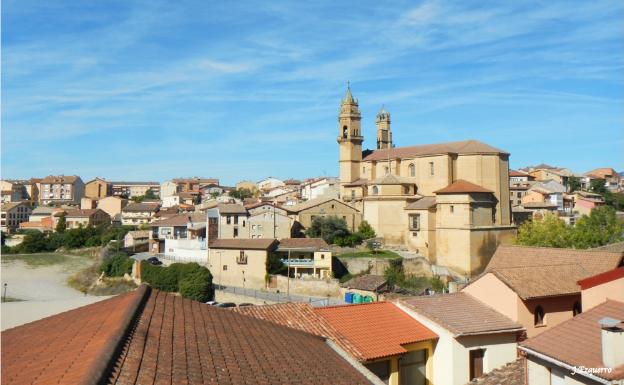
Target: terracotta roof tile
{"x": 461, "y": 186}
{"x": 81, "y": 213}
{"x": 368, "y": 282}
{"x": 534, "y": 272}
{"x": 141, "y": 207}
{"x": 450, "y": 311}
{"x": 508, "y": 374}
{"x": 376, "y": 329}
{"x": 463, "y": 147}
{"x": 562, "y": 342}
{"x": 517, "y": 173}
{"x": 423, "y": 203}
{"x": 303, "y": 243}
{"x": 231, "y": 208}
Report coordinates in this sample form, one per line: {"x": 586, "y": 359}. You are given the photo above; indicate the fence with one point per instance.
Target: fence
{"x": 279, "y": 297}
{"x": 180, "y": 259}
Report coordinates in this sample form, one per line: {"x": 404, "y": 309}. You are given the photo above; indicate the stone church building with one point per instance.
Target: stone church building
{"x": 447, "y": 201}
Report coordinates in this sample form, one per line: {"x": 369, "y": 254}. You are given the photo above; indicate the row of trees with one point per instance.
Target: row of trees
{"x": 600, "y": 228}
{"x": 334, "y": 230}
{"x": 90, "y": 236}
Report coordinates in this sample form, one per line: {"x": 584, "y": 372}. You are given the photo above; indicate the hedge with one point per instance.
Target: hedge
{"x": 189, "y": 279}
{"x": 117, "y": 265}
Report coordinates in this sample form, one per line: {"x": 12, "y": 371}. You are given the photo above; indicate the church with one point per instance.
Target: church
{"x": 448, "y": 201}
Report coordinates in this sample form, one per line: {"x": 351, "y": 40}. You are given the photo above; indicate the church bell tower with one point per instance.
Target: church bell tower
{"x": 349, "y": 139}
{"x": 384, "y": 134}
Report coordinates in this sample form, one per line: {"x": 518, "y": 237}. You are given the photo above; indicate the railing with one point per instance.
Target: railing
{"x": 301, "y": 261}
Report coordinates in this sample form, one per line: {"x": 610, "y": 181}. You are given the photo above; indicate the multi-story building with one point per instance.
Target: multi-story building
{"x": 229, "y": 220}
{"x": 139, "y": 213}
{"x": 269, "y": 183}
{"x": 134, "y": 189}
{"x": 61, "y": 190}
{"x": 193, "y": 184}
{"x": 112, "y": 205}
{"x": 12, "y": 214}
{"x": 87, "y": 217}
{"x": 469, "y": 181}
{"x": 314, "y": 188}
{"x": 98, "y": 188}
{"x": 267, "y": 220}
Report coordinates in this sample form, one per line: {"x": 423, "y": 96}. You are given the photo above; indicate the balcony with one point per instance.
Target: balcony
{"x": 298, "y": 262}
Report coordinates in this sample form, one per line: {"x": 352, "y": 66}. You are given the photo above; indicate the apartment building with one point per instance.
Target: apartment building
{"x": 12, "y": 214}
{"x": 134, "y": 189}
{"x": 139, "y": 213}
{"x": 61, "y": 189}
{"x": 98, "y": 188}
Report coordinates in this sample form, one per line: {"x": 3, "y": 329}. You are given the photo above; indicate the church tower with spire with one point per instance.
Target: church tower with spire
{"x": 384, "y": 134}
{"x": 349, "y": 138}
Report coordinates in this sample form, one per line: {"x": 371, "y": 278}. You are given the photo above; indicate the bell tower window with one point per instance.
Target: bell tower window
{"x": 345, "y": 131}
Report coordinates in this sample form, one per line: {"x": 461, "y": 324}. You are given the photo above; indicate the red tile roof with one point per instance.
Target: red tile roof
{"x": 153, "y": 337}
{"x": 461, "y": 186}
{"x": 463, "y": 147}
{"x": 517, "y": 173}
{"x": 303, "y": 243}
{"x": 377, "y": 329}
{"x": 508, "y": 374}
{"x": 599, "y": 279}
{"x": 578, "y": 341}
{"x": 243, "y": 243}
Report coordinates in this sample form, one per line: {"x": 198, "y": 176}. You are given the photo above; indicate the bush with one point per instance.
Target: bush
{"x": 197, "y": 286}
{"x": 349, "y": 240}
{"x": 189, "y": 279}
{"x": 365, "y": 230}
{"x": 332, "y": 229}
{"x": 117, "y": 265}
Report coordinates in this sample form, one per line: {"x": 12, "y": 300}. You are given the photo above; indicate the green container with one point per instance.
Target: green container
{"x": 357, "y": 298}
{"x": 368, "y": 299}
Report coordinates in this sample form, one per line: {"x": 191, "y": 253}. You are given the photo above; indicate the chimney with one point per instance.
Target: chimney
{"x": 612, "y": 335}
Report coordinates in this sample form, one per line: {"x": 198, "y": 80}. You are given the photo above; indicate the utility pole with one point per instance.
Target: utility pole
{"x": 4, "y": 294}
{"x": 288, "y": 277}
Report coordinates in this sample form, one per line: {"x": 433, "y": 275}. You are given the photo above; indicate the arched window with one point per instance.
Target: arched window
{"x": 386, "y": 170}
{"x": 576, "y": 309}
{"x": 375, "y": 190}
{"x": 345, "y": 132}
{"x": 538, "y": 316}
{"x": 412, "y": 169}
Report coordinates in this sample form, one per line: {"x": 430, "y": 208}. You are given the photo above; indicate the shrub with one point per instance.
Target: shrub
{"x": 189, "y": 279}
{"x": 366, "y": 231}
{"x": 332, "y": 229}
{"x": 197, "y": 286}
{"x": 117, "y": 265}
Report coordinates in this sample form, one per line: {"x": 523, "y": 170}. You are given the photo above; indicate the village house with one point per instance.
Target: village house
{"x": 473, "y": 338}
{"x": 240, "y": 262}
{"x": 537, "y": 286}
{"x": 98, "y": 188}
{"x": 181, "y": 236}
{"x": 136, "y": 237}
{"x": 229, "y": 220}
{"x": 137, "y": 338}
{"x": 13, "y": 190}
{"x": 268, "y": 220}
{"x": 43, "y": 219}
{"x": 61, "y": 190}
{"x": 317, "y": 187}
{"x": 194, "y": 184}
{"x": 112, "y": 205}
{"x": 612, "y": 180}
{"x": 246, "y": 184}
{"x": 269, "y": 183}
{"x": 82, "y": 218}
{"x": 305, "y": 212}
{"x": 588, "y": 349}
{"x": 134, "y": 189}
{"x": 12, "y": 215}
{"x": 306, "y": 257}
{"x": 602, "y": 287}
{"x": 468, "y": 175}
{"x": 367, "y": 285}
{"x": 543, "y": 172}
{"x": 139, "y": 213}
{"x": 585, "y": 202}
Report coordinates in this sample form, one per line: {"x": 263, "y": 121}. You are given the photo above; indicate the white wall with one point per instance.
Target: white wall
{"x": 186, "y": 250}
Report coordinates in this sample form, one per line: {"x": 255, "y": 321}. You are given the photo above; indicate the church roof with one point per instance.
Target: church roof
{"x": 463, "y": 147}
{"x": 461, "y": 186}
{"x": 348, "y": 98}
{"x": 393, "y": 179}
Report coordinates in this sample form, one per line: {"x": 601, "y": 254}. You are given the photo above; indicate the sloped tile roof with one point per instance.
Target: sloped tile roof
{"x": 81, "y": 213}
{"x": 461, "y": 186}
{"x": 377, "y": 329}
{"x": 69, "y": 348}
{"x": 368, "y": 282}
{"x": 179, "y": 220}
{"x": 508, "y": 374}
{"x": 314, "y": 202}
{"x": 517, "y": 173}
{"x": 300, "y": 316}
{"x": 463, "y": 147}
{"x": 60, "y": 179}
{"x": 461, "y": 314}
{"x": 231, "y": 208}
{"x": 141, "y": 207}
{"x": 534, "y": 272}
{"x": 578, "y": 341}
{"x": 617, "y": 247}
{"x": 303, "y": 243}
{"x": 423, "y": 203}
{"x": 153, "y": 337}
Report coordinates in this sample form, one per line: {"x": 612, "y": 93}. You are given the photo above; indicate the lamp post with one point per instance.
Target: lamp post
{"x": 4, "y": 293}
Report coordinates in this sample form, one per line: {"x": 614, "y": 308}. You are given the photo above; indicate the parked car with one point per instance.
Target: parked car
{"x": 212, "y": 303}
{"x": 245, "y": 304}
{"x": 226, "y": 304}
{"x": 154, "y": 261}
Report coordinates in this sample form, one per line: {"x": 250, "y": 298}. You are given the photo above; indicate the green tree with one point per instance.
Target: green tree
{"x": 274, "y": 264}
{"x": 615, "y": 200}
{"x": 366, "y": 231}
{"x": 75, "y": 238}
{"x": 61, "y": 225}
{"x": 117, "y": 265}
{"x": 241, "y": 193}
{"x": 550, "y": 231}
{"x": 600, "y": 228}
{"x": 597, "y": 186}
{"x": 34, "y": 242}
{"x": 329, "y": 228}
{"x": 149, "y": 194}
{"x": 574, "y": 184}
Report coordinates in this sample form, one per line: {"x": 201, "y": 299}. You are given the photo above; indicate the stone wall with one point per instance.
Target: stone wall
{"x": 308, "y": 286}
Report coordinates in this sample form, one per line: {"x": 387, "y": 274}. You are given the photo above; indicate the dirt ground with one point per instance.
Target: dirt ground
{"x": 41, "y": 289}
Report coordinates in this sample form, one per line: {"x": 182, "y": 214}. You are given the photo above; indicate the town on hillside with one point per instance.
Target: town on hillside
{"x": 420, "y": 264}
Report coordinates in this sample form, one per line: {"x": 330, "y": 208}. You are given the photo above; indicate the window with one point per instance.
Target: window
{"x": 322, "y": 256}
{"x": 412, "y": 169}
{"x": 414, "y": 222}
{"x": 235, "y": 232}
{"x": 576, "y": 309}
{"x": 228, "y": 219}
{"x": 431, "y": 168}
{"x": 375, "y": 190}
{"x": 452, "y": 208}
{"x": 412, "y": 368}
{"x": 519, "y": 194}
{"x": 538, "y": 316}
{"x": 224, "y": 267}
{"x": 406, "y": 190}
{"x": 345, "y": 130}
{"x": 235, "y": 219}
{"x": 476, "y": 363}
{"x": 352, "y": 194}
{"x": 386, "y": 170}
{"x": 242, "y": 258}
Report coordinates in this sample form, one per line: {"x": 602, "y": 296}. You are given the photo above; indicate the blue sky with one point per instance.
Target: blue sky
{"x": 237, "y": 90}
